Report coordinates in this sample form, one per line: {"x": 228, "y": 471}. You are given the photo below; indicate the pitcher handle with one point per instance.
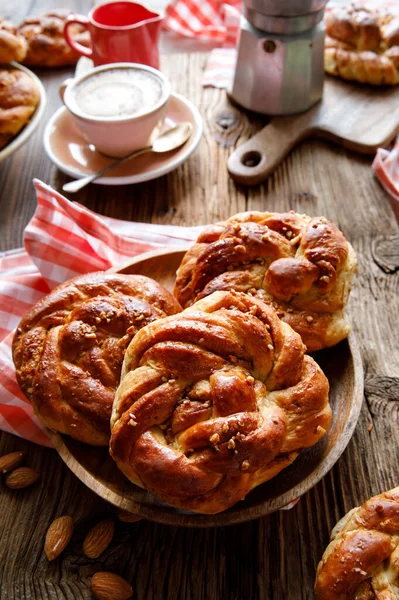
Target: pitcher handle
{"x": 79, "y": 48}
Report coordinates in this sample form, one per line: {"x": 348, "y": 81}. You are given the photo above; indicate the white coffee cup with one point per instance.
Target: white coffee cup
{"x": 117, "y": 106}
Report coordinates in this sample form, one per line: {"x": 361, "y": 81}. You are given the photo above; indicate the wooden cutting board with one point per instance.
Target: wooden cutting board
{"x": 359, "y": 117}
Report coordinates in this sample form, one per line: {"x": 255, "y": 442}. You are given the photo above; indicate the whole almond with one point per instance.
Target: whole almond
{"x": 98, "y": 538}
{"x": 108, "y": 586}
{"x": 57, "y": 537}
{"x": 127, "y": 517}
{"x": 21, "y": 478}
{"x": 11, "y": 461}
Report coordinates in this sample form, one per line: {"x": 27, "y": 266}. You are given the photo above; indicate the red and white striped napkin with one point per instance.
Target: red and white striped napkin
{"x": 62, "y": 240}
{"x": 386, "y": 169}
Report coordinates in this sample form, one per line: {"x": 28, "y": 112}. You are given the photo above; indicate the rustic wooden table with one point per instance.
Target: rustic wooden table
{"x": 273, "y": 558}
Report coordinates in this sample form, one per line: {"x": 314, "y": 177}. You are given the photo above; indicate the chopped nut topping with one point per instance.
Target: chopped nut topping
{"x": 250, "y": 379}
{"x": 91, "y": 335}
{"x": 241, "y": 423}
{"x": 201, "y": 341}
{"x": 295, "y": 240}
{"x": 164, "y": 379}
{"x": 231, "y": 444}
{"x": 289, "y": 234}
{"x": 270, "y": 347}
{"x": 172, "y": 380}
{"x": 244, "y": 465}
{"x": 325, "y": 279}
{"x": 98, "y": 319}
{"x": 225, "y": 427}
{"x": 240, "y": 248}
{"x": 309, "y": 319}
{"x": 215, "y": 438}
{"x": 132, "y": 422}
{"x": 253, "y": 310}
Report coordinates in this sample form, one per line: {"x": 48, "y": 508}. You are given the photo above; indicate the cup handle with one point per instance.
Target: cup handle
{"x": 63, "y": 86}
{"x": 79, "y": 48}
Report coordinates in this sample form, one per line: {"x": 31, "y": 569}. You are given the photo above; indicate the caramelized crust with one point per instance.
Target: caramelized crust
{"x": 301, "y": 266}
{"x": 362, "y": 560}
{"x": 12, "y": 46}
{"x": 45, "y": 39}
{"x": 362, "y": 45}
{"x": 214, "y": 401}
{"x": 19, "y": 97}
{"x": 68, "y": 349}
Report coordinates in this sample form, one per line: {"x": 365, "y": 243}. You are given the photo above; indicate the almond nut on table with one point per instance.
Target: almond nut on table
{"x": 58, "y": 536}
{"x": 108, "y": 586}
{"x": 11, "y": 461}
{"x": 98, "y": 538}
{"x": 21, "y": 478}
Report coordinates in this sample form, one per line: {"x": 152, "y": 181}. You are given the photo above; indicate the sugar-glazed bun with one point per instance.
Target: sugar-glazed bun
{"x": 302, "y": 266}
{"x": 214, "y": 401}
{"x": 362, "y": 560}
{"x": 68, "y": 349}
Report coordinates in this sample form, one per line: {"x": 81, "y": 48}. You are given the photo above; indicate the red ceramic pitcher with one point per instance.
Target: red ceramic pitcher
{"x": 119, "y": 32}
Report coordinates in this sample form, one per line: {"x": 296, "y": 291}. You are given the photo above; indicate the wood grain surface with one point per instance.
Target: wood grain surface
{"x": 275, "y": 557}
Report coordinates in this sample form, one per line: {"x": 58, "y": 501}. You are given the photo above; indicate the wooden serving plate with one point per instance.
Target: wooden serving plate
{"x": 343, "y": 367}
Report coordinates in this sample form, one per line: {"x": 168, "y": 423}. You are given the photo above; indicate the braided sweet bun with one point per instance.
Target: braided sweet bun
{"x": 362, "y": 45}
{"x": 301, "y": 266}
{"x": 214, "y": 401}
{"x": 12, "y": 46}
{"x": 362, "y": 560}
{"x": 19, "y": 98}
{"x": 68, "y": 349}
{"x": 45, "y": 39}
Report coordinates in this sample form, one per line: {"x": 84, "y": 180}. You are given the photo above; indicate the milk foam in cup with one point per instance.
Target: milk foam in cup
{"x": 117, "y": 106}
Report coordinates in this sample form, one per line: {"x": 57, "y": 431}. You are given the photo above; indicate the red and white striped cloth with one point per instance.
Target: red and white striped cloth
{"x": 386, "y": 169}
{"x": 62, "y": 240}
{"x": 211, "y": 20}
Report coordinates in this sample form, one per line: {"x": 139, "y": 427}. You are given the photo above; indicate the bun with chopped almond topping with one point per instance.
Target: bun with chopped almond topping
{"x": 362, "y": 559}
{"x": 362, "y": 44}
{"x": 302, "y": 266}
{"x": 214, "y": 401}
{"x": 68, "y": 349}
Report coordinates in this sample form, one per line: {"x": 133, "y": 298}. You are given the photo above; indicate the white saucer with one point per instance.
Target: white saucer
{"x": 69, "y": 151}
{"x": 30, "y": 127}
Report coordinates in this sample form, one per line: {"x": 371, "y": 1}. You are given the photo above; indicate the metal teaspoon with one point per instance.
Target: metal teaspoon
{"x": 169, "y": 140}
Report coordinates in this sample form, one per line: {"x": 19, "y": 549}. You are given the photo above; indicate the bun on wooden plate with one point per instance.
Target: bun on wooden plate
{"x": 302, "y": 266}
{"x": 12, "y": 46}
{"x": 214, "y": 401}
{"x": 362, "y": 44}
{"x": 68, "y": 349}
{"x": 46, "y": 44}
{"x": 19, "y": 98}
{"x": 362, "y": 559}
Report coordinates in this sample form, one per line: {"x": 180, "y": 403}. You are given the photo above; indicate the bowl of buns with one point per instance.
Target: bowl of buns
{"x": 36, "y": 42}
{"x": 22, "y": 103}
{"x": 202, "y": 387}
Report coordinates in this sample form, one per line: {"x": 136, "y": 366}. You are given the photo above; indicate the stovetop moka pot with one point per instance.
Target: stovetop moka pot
{"x": 280, "y": 56}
